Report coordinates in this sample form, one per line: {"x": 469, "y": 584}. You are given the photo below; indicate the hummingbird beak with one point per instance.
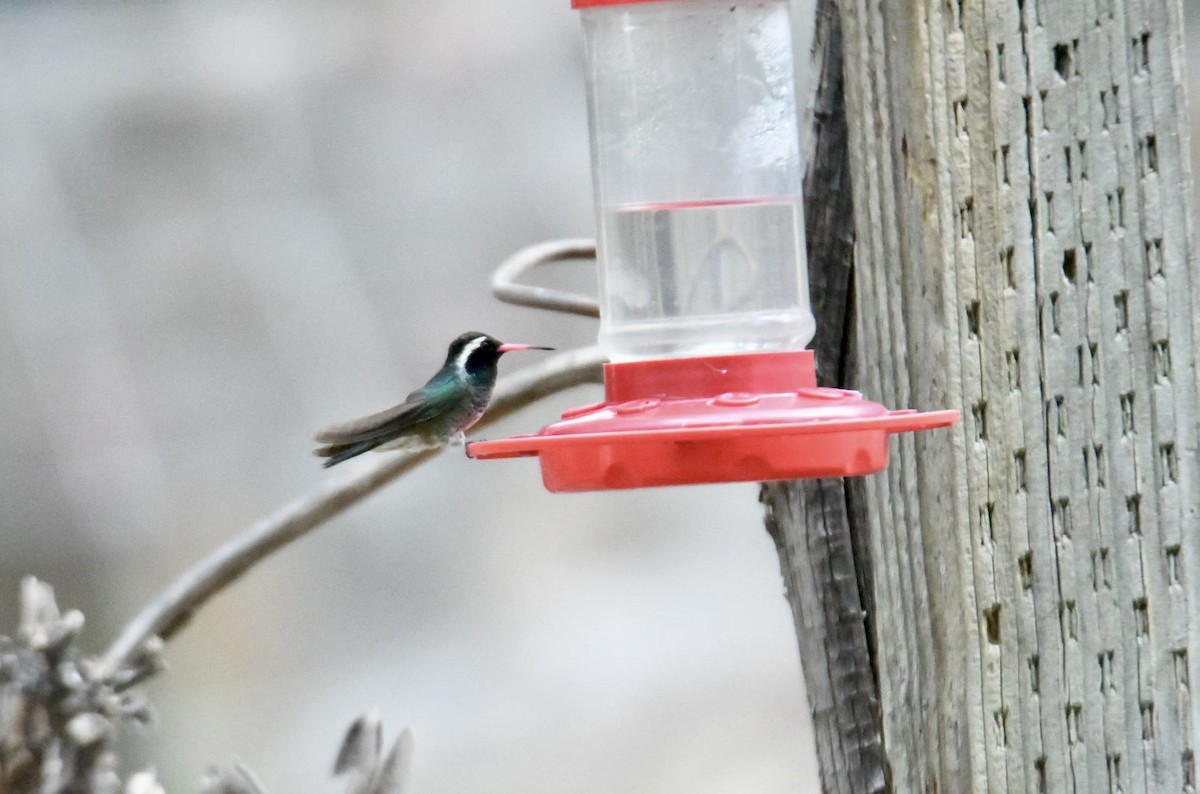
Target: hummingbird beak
{"x": 510, "y": 348}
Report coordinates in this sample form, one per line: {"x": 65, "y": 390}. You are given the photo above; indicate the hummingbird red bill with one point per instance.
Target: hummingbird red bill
{"x": 438, "y": 413}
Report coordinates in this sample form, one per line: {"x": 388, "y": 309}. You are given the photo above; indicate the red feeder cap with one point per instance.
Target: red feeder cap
{"x": 577, "y": 4}
{"x": 758, "y": 416}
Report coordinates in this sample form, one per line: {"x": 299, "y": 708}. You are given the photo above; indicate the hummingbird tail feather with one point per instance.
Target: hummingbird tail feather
{"x": 336, "y": 453}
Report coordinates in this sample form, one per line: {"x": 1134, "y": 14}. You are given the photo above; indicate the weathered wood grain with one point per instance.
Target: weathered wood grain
{"x": 810, "y": 525}
{"x": 1023, "y": 248}
{"x": 823, "y": 561}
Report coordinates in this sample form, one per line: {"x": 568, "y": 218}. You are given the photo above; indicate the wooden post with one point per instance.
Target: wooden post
{"x": 1022, "y": 207}
{"x": 823, "y": 563}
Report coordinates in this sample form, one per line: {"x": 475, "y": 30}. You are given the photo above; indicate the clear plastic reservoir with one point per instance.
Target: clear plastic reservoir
{"x": 695, "y": 155}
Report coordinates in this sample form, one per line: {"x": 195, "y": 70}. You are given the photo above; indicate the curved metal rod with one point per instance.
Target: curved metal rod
{"x": 172, "y": 608}
{"x": 506, "y": 287}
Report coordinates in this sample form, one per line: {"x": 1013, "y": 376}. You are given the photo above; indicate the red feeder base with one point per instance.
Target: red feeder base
{"x": 758, "y": 416}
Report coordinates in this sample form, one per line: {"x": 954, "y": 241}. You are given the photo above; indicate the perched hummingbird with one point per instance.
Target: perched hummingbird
{"x": 433, "y": 415}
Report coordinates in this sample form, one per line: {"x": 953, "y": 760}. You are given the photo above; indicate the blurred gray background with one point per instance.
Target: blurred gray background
{"x": 226, "y": 224}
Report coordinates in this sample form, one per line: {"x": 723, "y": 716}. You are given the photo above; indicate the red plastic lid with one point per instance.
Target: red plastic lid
{"x": 578, "y": 4}
{"x": 752, "y": 417}
{"x": 593, "y": 3}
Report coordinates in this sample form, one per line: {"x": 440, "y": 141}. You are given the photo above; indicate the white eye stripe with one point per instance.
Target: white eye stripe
{"x": 471, "y": 347}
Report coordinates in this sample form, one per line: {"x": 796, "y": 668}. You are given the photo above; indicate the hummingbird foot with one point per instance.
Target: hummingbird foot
{"x": 458, "y": 439}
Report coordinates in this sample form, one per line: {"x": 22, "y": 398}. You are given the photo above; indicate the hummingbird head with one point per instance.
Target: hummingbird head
{"x": 475, "y": 352}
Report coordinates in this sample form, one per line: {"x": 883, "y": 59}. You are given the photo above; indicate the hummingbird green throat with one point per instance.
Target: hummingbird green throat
{"x": 436, "y": 414}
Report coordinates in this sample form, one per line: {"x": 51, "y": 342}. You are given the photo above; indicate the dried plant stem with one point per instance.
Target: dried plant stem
{"x": 172, "y": 608}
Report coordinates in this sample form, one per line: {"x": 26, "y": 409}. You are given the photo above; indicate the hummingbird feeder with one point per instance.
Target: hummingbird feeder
{"x": 703, "y": 275}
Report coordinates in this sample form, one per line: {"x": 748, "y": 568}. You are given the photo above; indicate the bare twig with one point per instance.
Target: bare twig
{"x": 167, "y": 613}
{"x": 506, "y": 288}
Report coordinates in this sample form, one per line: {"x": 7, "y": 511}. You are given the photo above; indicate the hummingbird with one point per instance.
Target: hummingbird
{"x": 436, "y": 414}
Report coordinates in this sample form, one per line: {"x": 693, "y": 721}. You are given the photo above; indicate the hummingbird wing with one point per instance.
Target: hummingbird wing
{"x": 349, "y": 439}
{"x": 380, "y": 426}
{"x": 423, "y": 407}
